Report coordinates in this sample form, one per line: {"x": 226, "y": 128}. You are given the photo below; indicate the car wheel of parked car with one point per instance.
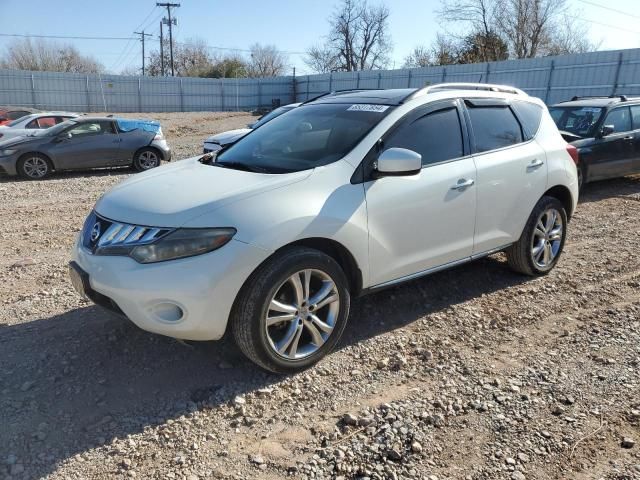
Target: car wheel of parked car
{"x": 145, "y": 159}
{"x": 581, "y": 176}
{"x": 542, "y": 240}
{"x": 292, "y": 310}
{"x": 34, "y": 166}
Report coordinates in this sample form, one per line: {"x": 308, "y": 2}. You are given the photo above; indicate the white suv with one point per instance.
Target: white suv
{"x": 346, "y": 194}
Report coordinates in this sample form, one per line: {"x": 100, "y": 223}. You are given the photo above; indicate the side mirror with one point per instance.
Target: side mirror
{"x": 251, "y": 125}
{"x": 398, "y": 162}
{"x": 607, "y": 130}
{"x": 63, "y": 136}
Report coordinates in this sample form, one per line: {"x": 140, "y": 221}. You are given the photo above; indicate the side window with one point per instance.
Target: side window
{"x": 14, "y": 115}
{"x": 530, "y": 115}
{"x": 620, "y": 119}
{"x": 494, "y": 127}
{"x": 92, "y": 128}
{"x": 436, "y": 136}
{"x": 635, "y": 117}
{"x": 32, "y": 124}
{"x": 46, "y": 122}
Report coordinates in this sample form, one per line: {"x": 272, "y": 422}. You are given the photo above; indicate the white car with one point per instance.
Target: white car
{"x": 216, "y": 142}
{"x": 344, "y": 195}
{"x": 31, "y": 123}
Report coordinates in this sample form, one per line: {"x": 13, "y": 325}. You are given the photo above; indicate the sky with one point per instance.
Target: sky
{"x": 291, "y": 25}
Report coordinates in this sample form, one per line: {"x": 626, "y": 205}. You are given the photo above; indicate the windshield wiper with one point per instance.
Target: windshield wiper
{"x": 241, "y": 166}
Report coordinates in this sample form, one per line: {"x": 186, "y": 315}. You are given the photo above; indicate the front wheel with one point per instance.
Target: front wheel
{"x": 34, "y": 166}
{"x": 540, "y": 245}
{"x": 146, "y": 159}
{"x": 292, "y": 310}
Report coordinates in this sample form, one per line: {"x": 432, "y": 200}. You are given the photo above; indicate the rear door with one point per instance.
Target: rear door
{"x": 511, "y": 173}
{"x": 92, "y": 143}
{"x": 612, "y": 156}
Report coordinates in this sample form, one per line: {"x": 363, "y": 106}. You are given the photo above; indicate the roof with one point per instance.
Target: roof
{"x": 393, "y": 96}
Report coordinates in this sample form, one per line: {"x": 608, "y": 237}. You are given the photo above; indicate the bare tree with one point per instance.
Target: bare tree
{"x": 570, "y": 36}
{"x": 41, "y": 55}
{"x": 420, "y": 56}
{"x": 444, "y": 51}
{"x": 322, "y": 59}
{"x": 266, "y": 61}
{"x": 190, "y": 59}
{"x": 528, "y": 24}
{"x": 358, "y": 38}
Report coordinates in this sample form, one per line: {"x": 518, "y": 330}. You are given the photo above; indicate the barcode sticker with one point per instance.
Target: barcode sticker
{"x": 363, "y": 107}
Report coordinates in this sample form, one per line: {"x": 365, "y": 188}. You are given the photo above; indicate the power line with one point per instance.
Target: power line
{"x": 608, "y": 25}
{"x": 142, "y": 37}
{"x": 611, "y": 9}
{"x": 64, "y": 37}
{"x": 171, "y": 22}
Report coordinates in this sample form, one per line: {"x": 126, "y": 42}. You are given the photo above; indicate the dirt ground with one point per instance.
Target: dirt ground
{"x": 474, "y": 373}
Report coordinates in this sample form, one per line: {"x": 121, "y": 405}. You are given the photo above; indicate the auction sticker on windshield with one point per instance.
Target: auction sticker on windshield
{"x": 363, "y": 107}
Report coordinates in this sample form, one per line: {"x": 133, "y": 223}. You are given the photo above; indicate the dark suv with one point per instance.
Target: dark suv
{"x": 606, "y": 132}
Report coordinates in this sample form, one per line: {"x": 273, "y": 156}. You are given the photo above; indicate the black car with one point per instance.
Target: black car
{"x": 606, "y": 132}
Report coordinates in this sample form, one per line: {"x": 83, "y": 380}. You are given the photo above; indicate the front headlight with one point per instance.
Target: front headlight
{"x": 7, "y": 152}
{"x": 182, "y": 243}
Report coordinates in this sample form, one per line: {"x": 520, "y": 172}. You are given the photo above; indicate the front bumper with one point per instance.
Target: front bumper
{"x": 190, "y": 298}
{"x": 8, "y": 164}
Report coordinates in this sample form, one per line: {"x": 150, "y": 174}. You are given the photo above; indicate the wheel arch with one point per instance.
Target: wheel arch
{"x": 563, "y": 194}
{"x": 147, "y": 147}
{"x": 339, "y": 253}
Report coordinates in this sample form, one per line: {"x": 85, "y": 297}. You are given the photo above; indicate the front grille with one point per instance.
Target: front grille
{"x": 99, "y": 232}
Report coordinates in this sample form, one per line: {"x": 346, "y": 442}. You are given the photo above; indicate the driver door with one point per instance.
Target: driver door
{"x": 421, "y": 222}
{"x": 88, "y": 144}
{"x": 612, "y": 155}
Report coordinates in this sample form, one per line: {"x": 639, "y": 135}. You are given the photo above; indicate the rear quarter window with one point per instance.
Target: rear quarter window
{"x": 494, "y": 127}
{"x": 530, "y": 115}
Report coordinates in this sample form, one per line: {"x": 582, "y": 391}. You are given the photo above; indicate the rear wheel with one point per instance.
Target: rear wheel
{"x": 34, "y": 166}
{"x": 146, "y": 159}
{"x": 581, "y": 177}
{"x": 538, "y": 249}
{"x": 292, "y": 310}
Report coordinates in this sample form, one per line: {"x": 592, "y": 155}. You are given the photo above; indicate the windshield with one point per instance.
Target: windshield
{"x": 55, "y": 130}
{"x": 577, "y": 120}
{"x": 305, "y": 137}
{"x": 270, "y": 116}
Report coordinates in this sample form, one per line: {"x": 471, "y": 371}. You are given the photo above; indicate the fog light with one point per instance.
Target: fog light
{"x": 167, "y": 312}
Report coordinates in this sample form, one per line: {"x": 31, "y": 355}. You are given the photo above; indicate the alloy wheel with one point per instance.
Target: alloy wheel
{"x": 35, "y": 167}
{"x": 302, "y": 313}
{"x": 547, "y": 238}
{"x": 147, "y": 160}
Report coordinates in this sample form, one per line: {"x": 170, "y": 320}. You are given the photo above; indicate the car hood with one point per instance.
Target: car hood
{"x": 15, "y": 141}
{"x": 174, "y": 194}
{"x": 228, "y": 137}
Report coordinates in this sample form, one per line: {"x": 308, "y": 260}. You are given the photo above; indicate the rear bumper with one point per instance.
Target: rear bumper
{"x": 163, "y": 147}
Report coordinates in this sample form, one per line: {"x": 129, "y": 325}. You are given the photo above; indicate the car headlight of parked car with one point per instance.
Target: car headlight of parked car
{"x": 183, "y": 243}
{"x": 7, "y": 152}
{"x": 150, "y": 244}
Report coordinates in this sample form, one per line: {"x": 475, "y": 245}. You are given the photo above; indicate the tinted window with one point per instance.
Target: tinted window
{"x": 436, "y": 136}
{"x": 577, "y": 120}
{"x": 620, "y": 119}
{"x": 92, "y": 128}
{"x": 530, "y": 115}
{"x": 306, "y": 137}
{"x": 270, "y": 116}
{"x": 494, "y": 127}
{"x": 17, "y": 114}
{"x": 635, "y": 116}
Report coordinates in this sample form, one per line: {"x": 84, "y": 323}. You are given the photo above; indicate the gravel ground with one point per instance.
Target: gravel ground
{"x": 473, "y": 373}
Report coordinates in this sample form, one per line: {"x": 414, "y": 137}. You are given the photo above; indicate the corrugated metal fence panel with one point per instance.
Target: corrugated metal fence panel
{"x": 551, "y": 78}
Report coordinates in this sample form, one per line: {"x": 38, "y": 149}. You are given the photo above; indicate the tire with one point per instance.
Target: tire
{"x": 260, "y": 340}
{"x": 541, "y": 231}
{"x": 34, "y": 166}
{"x": 582, "y": 175}
{"x": 146, "y": 159}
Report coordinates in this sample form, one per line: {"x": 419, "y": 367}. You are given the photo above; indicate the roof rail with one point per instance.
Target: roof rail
{"x": 623, "y": 98}
{"x": 465, "y": 86}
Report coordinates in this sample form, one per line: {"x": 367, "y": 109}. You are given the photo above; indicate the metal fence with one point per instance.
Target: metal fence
{"x": 551, "y": 78}
{"x": 115, "y": 93}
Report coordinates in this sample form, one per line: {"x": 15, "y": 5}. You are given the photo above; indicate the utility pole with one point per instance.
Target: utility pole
{"x": 161, "y": 51}
{"x": 142, "y": 35}
{"x": 169, "y": 21}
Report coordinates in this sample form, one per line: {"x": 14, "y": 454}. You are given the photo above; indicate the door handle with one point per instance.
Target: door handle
{"x": 463, "y": 183}
{"x": 535, "y": 163}
{"x": 629, "y": 137}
